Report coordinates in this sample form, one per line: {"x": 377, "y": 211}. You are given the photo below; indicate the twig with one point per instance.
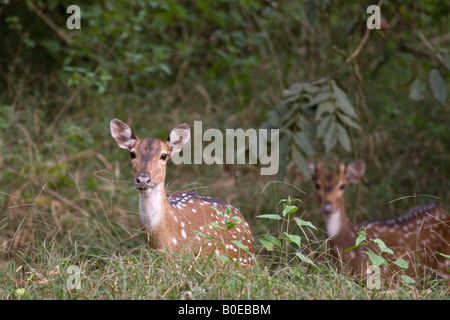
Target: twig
{"x": 427, "y": 44}
{"x": 352, "y": 56}
{"x": 51, "y": 24}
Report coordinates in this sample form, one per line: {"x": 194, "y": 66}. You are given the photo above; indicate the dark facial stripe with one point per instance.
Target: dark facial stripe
{"x": 148, "y": 149}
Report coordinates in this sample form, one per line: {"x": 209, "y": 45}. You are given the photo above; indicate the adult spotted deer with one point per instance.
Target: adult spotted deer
{"x": 418, "y": 236}
{"x": 186, "y": 221}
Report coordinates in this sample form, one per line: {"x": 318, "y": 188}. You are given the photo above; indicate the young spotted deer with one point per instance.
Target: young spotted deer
{"x": 186, "y": 221}
{"x": 417, "y": 236}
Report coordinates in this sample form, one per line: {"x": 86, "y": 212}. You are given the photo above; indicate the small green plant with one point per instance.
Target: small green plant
{"x": 287, "y": 238}
{"x": 376, "y": 249}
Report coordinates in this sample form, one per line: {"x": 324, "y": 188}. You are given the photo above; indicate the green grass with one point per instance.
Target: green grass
{"x": 141, "y": 274}
{"x": 110, "y": 262}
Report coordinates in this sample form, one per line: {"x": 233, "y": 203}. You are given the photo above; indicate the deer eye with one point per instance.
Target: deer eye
{"x": 132, "y": 155}
{"x": 317, "y": 186}
{"x": 164, "y": 156}
{"x": 342, "y": 187}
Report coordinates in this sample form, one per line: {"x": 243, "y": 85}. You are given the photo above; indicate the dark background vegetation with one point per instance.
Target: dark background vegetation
{"x": 155, "y": 64}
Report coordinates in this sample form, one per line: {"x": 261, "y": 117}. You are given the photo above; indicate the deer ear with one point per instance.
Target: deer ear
{"x": 315, "y": 169}
{"x": 178, "y": 137}
{"x": 355, "y": 171}
{"x": 122, "y": 134}
{"x": 312, "y": 170}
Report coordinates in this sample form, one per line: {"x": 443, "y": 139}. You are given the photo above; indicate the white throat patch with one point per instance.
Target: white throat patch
{"x": 333, "y": 223}
{"x": 151, "y": 206}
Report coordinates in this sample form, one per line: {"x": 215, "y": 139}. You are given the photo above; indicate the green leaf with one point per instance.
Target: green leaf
{"x": 293, "y": 238}
{"x": 224, "y": 259}
{"x": 324, "y": 123}
{"x": 382, "y": 245}
{"x": 330, "y": 137}
{"x": 302, "y": 140}
{"x": 343, "y": 138}
{"x": 240, "y": 245}
{"x": 401, "y": 263}
{"x": 447, "y": 61}
{"x": 216, "y": 225}
{"x": 376, "y": 259}
{"x": 270, "y": 216}
{"x": 312, "y": 12}
{"x": 416, "y": 90}
{"x": 305, "y": 258}
{"x": 445, "y": 255}
{"x": 407, "y": 280}
{"x": 362, "y": 236}
{"x": 269, "y": 241}
{"x": 22, "y": 292}
{"x": 289, "y": 209}
{"x": 324, "y": 107}
{"x": 300, "y": 161}
{"x": 201, "y": 234}
{"x": 230, "y": 224}
{"x": 341, "y": 100}
{"x": 320, "y": 98}
{"x": 302, "y": 223}
{"x": 218, "y": 211}
{"x": 237, "y": 219}
{"x": 348, "y": 121}
{"x": 437, "y": 85}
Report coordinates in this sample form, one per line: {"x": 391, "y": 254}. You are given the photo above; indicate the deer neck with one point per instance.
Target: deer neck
{"x": 153, "y": 204}
{"x": 339, "y": 229}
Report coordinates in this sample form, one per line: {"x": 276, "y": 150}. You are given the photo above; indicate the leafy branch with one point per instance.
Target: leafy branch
{"x": 319, "y": 111}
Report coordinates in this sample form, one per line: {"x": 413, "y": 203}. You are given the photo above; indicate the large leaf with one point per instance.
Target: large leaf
{"x": 324, "y": 123}
{"x": 304, "y": 258}
{"x": 315, "y": 100}
{"x": 437, "y": 85}
{"x": 401, "y": 263}
{"x": 240, "y": 245}
{"x": 269, "y": 216}
{"x": 376, "y": 259}
{"x": 269, "y": 241}
{"x": 289, "y": 209}
{"x": 416, "y": 90}
{"x": 382, "y": 246}
{"x": 312, "y": 12}
{"x": 324, "y": 107}
{"x": 293, "y": 238}
{"x": 348, "y": 121}
{"x": 343, "y": 138}
{"x": 330, "y": 137}
{"x": 302, "y": 140}
{"x": 300, "y": 161}
{"x": 342, "y": 101}
{"x": 301, "y": 223}
{"x": 360, "y": 240}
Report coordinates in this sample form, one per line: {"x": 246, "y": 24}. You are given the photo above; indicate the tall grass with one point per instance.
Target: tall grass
{"x": 110, "y": 262}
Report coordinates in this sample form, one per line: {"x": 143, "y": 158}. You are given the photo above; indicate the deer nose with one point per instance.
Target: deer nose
{"x": 143, "y": 180}
{"x": 327, "y": 207}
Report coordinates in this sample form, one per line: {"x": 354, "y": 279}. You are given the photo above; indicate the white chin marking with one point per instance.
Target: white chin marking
{"x": 333, "y": 223}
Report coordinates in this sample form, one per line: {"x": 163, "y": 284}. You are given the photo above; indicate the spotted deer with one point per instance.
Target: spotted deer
{"x": 185, "y": 221}
{"x": 418, "y": 236}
